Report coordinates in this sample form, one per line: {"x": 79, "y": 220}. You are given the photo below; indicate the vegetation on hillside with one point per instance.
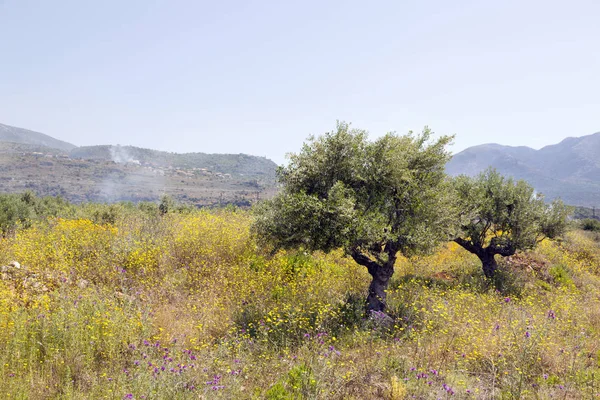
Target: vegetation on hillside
{"x": 12, "y": 147}
{"x": 31, "y": 161}
{"x": 238, "y": 164}
{"x": 80, "y": 180}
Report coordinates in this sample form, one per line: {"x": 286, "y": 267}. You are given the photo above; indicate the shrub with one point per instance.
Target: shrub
{"x": 590, "y": 224}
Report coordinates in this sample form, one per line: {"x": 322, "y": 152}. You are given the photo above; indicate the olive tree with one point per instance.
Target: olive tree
{"x": 498, "y": 216}
{"x": 373, "y": 199}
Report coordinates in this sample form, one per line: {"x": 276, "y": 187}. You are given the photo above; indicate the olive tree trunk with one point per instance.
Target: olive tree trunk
{"x": 380, "y": 274}
{"x": 376, "y": 300}
{"x": 486, "y": 254}
{"x": 489, "y": 264}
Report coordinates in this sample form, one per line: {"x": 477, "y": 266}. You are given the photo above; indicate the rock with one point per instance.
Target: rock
{"x": 32, "y": 284}
{"x": 124, "y": 296}
{"x": 15, "y": 264}
{"x": 381, "y": 320}
{"x": 82, "y": 283}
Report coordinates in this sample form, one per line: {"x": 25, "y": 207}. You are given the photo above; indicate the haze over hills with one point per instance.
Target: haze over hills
{"x": 569, "y": 170}
{"x": 34, "y": 161}
{"x": 239, "y": 164}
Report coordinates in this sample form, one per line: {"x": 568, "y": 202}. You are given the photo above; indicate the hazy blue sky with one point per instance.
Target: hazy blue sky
{"x": 259, "y": 77}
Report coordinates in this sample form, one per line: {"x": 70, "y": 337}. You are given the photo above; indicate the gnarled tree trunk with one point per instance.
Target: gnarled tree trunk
{"x": 489, "y": 263}
{"x": 376, "y": 300}
{"x": 486, "y": 254}
{"x": 381, "y": 274}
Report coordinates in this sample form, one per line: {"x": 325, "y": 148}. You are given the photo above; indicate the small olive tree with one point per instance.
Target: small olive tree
{"x": 500, "y": 216}
{"x": 371, "y": 198}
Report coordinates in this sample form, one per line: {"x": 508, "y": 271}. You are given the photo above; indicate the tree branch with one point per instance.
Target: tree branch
{"x": 365, "y": 261}
{"x": 483, "y": 234}
{"x": 391, "y": 249}
{"x": 502, "y": 246}
{"x": 467, "y": 245}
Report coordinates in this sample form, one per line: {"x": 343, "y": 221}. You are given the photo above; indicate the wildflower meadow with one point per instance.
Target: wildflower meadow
{"x": 187, "y": 305}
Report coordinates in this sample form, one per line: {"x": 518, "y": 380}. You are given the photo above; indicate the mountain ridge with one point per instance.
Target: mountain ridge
{"x": 14, "y": 134}
{"x": 569, "y": 170}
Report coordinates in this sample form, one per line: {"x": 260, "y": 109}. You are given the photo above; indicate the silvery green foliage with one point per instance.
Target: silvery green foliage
{"x": 502, "y": 216}
{"x": 371, "y": 198}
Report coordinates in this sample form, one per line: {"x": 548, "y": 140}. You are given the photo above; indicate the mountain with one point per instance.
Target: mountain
{"x": 569, "y": 170}
{"x": 24, "y": 136}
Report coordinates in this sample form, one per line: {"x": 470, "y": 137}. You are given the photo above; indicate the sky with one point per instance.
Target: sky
{"x": 259, "y": 77}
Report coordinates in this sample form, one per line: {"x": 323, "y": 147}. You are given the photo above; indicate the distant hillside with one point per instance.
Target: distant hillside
{"x": 34, "y": 161}
{"x": 238, "y": 164}
{"x": 11, "y": 147}
{"x": 81, "y": 180}
{"x": 569, "y": 170}
{"x": 25, "y": 136}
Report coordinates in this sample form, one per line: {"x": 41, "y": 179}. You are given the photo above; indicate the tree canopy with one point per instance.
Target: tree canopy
{"x": 371, "y": 198}
{"x": 500, "y": 216}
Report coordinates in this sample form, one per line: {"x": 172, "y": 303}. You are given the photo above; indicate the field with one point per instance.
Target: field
{"x": 186, "y": 306}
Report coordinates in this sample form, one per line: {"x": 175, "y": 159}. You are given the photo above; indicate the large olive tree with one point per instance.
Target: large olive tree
{"x": 371, "y": 198}
{"x": 499, "y": 216}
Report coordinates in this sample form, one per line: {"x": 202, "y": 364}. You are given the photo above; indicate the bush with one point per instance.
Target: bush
{"x": 23, "y": 209}
{"x": 590, "y": 224}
